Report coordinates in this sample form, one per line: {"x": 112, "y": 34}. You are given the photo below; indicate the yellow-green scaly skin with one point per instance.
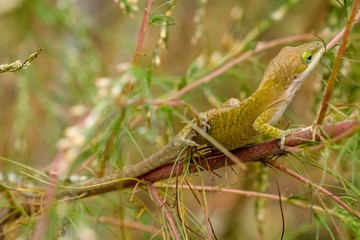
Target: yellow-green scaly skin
{"x": 240, "y": 124}
{"x": 235, "y": 123}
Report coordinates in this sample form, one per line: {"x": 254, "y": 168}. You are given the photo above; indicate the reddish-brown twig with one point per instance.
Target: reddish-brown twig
{"x": 144, "y": 25}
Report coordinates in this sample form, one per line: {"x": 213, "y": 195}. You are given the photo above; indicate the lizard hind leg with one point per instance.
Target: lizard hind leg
{"x": 186, "y": 136}
{"x": 204, "y": 116}
{"x": 232, "y": 102}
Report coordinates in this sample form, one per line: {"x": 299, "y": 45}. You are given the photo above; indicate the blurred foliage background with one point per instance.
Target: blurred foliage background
{"x": 82, "y": 89}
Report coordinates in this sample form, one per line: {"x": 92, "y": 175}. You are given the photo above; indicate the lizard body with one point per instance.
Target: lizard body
{"x": 234, "y": 123}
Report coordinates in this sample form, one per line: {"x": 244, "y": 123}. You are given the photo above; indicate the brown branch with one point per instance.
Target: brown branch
{"x": 212, "y": 161}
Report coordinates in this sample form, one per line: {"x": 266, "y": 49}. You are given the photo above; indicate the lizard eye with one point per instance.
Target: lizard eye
{"x": 306, "y": 57}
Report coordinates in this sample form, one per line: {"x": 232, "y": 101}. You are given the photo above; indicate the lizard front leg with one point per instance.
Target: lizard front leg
{"x": 262, "y": 124}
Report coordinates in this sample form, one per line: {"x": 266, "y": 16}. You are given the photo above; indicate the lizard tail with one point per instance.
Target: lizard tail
{"x": 163, "y": 156}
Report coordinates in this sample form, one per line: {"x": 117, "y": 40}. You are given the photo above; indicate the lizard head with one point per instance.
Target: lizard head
{"x": 287, "y": 71}
{"x": 301, "y": 60}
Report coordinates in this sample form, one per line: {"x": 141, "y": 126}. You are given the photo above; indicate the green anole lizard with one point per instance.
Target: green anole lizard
{"x": 234, "y": 123}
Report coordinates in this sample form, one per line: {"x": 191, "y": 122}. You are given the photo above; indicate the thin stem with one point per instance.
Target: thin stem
{"x": 160, "y": 204}
{"x": 321, "y": 189}
{"x": 144, "y": 25}
{"x": 337, "y": 63}
{"x": 338, "y": 36}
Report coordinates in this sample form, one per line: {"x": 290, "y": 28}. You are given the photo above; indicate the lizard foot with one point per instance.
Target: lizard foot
{"x": 190, "y": 143}
{"x": 203, "y": 122}
{"x": 283, "y": 147}
{"x": 282, "y": 140}
{"x": 184, "y": 137}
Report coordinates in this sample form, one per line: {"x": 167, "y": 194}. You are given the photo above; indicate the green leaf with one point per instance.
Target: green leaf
{"x": 162, "y": 20}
